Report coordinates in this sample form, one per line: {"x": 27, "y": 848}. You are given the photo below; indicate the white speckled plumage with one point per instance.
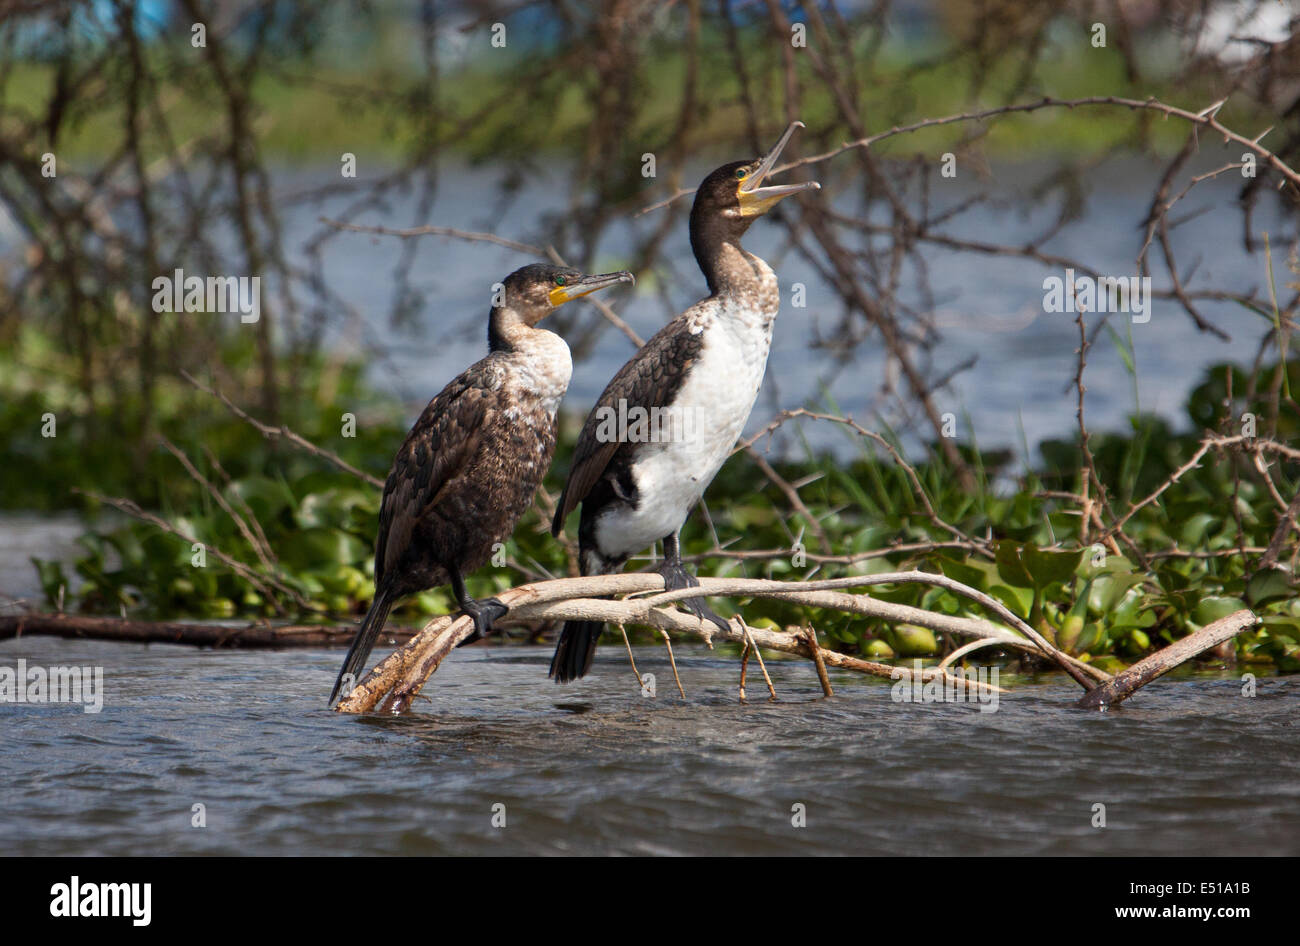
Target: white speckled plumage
{"x": 540, "y": 371}
{"x": 719, "y": 391}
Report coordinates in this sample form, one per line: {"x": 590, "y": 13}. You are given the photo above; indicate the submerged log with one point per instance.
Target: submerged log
{"x": 175, "y": 632}
{"x": 1126, "y": 682}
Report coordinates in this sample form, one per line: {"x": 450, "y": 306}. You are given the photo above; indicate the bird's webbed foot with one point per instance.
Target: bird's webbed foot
{"x": 484, "y": 613}
{"x": 676, "y": 576}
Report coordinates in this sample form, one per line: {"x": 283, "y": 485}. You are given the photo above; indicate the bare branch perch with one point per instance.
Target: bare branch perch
{"x": 396, "y": 680}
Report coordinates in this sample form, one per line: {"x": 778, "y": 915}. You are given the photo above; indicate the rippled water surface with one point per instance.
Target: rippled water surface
{"x": 1190, "y": 766}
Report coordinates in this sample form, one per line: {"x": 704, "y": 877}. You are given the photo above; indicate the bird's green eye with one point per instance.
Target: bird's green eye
{"x": 741, "y": 174}
{"x": 560, "y": 280}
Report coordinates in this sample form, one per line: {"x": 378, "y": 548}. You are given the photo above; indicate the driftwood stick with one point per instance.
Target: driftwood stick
{"x": 396, "y": 680}
{"x": 86, "y": 627}
{"x": 1123, "y": 684}
{"x": 749, "y": 642}
{"x": 668, "y": 642}
{"x": 810, "y": 635}
{"x": 640, "y": 684}
{"x": 807, "y": 593}
{"x": 965, "y": 649}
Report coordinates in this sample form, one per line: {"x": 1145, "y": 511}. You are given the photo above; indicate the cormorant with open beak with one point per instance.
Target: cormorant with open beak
{"x": 469, "y": 467}
{"x": 702, "y": 372}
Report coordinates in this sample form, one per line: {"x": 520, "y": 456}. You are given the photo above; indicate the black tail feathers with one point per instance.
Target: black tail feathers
{"x": 363, "y": 643}
{"x": 576, "y": 648}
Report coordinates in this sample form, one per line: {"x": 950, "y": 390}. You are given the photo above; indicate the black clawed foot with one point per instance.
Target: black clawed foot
{"x": 676, "y": 576}
{"x": 484, "y": 613}
{"x": 701, "y": 610}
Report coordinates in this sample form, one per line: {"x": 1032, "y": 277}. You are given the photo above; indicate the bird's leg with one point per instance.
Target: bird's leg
{"x": 483, "y": 612}
{"x": 676, "y": 576}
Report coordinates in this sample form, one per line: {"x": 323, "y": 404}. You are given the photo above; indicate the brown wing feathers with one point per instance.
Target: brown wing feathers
{"x": 650, "y": 379}
{"x": 442, "y": 441}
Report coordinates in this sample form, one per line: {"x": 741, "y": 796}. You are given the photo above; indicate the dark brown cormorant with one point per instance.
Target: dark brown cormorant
{"x": 469, "y": 467}
{"x": 702, "y": 372}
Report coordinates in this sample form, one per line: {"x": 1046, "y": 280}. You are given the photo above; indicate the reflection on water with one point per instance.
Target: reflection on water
{"x": 1188, "y": 767}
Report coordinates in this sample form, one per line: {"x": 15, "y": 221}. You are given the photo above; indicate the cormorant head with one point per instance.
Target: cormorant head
{"x": 535, "y": 291}
{"x": 735, "y": 191}
{"x": 530, "y": 294}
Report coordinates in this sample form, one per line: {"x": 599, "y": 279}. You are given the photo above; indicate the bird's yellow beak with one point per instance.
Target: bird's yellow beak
{"x": 756, "y": 200}
{"x": 586, "y": 285}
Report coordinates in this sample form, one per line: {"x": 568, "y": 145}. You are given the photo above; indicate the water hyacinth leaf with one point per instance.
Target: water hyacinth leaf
{"x": 1175, "y": 580}
{"x": 1109, "y": 663}
{"x": 1270, "y": 584}
{"x": 205, "y": 581}
{"x": 843, "y": 634}
{"x": 1093, "y": 637}
{"x": 337, "y": 579}
{"x": 909, "y": 640}
{"x": 875, "y": 566}
{"x": 94, "y": 544}
{"x": 1196, "y": 528}
{"x": 1107, "y": 591}
{"x": 432, "y": 602}
{"x": 1019, "y": 600}
{"x": 1129, "y": 633}
{"x": 940, "y": 600}
{"x": 968, "y": 572}
{"x": 307, "y": 585}
{"x": 313, "y": 548}
{"x": 1010, "y": 568}
{"x": 1110, "y": 564}
{"x": 779, "y": 566}
{"x": 1046, "y": 567}
{"x": 1126, "y": 610}
{"x": 1287, "y": 628}
{"x": 877, "y": 649}
{"x": 1213, "y": 607}
{"x": 1067, "y": 638}
{"x": 1284, "y": 653}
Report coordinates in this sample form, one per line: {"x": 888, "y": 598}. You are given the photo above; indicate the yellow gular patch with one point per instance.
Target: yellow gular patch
{"x": 751, "y": 206}
{"x": 558, "y": 296}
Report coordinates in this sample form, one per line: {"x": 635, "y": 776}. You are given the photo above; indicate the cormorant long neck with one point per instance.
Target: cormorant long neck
{"x": 540, "y": 365}
{"x": 715, "y": 240}
{"x": 508, "y": 331}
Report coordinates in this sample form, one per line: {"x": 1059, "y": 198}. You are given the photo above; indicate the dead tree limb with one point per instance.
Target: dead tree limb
{"x": 395, "y": 681}
{"x": 86, "y": 627}
{"x": 1123, "y": 684}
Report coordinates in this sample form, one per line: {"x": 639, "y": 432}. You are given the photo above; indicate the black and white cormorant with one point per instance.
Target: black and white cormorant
{"x": 702, "y": 371}
{"x": 469, "y": 467}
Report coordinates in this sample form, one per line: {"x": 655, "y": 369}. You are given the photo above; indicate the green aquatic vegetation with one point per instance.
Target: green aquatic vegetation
{"x": 304, "y": 530}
